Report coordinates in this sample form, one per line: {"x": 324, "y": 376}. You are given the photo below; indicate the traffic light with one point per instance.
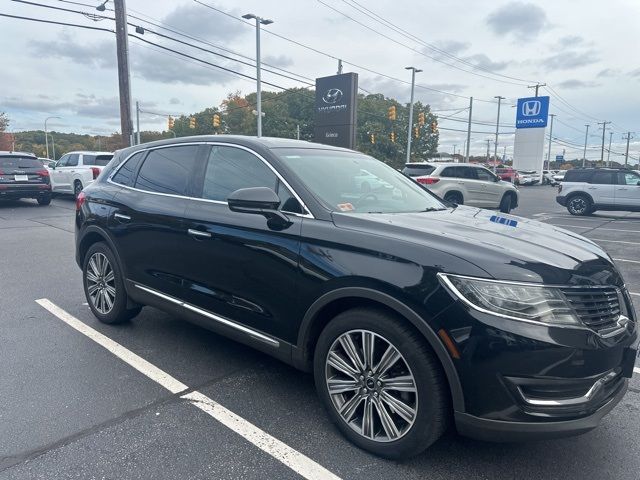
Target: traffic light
{"x": 416, "y": 132}
{"x": 392, "y": 136}
{"x": 391, "y": 112}
{"x": 372, "y": 137}
{"x": 170, "y": 122}
{"x": 421, "y": 118}
{"x": 434, "y": 127}
{"x": 192, "y": 122}
{"x": 216, "y": 120}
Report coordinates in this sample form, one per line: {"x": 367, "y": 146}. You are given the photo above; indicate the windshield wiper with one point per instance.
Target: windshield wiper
{"x": 433, "y": 209}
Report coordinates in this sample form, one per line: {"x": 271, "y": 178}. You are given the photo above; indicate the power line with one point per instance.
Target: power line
{"x": 66, "y": 24}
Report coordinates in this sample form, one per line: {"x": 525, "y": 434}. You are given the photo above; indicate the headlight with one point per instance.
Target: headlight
{"x": 523, "y": 302}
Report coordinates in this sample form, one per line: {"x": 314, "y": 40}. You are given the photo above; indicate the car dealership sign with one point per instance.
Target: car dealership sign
{"x": 335, "y": 110}
{"x": 533, "y": 112}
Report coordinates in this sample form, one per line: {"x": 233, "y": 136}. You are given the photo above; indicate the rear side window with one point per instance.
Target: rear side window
{"x": 126, "y": 175}
{"x": 577, "y": 175}
{"x": 229, "y": 169}
{"x": 73, "y": 160}
{"x": 418, "y": 170}
{"x": 168, "y": 170}
{"x": 603, "y": 178}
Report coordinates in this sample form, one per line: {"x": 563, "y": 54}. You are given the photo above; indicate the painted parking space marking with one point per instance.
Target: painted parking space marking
{"x": 625, "y": 260}
{"x": 613, "y": 241}
{"x": 636, "y": 294}
{"x": 599, "y": 229}
{"x": 296, "y": 461}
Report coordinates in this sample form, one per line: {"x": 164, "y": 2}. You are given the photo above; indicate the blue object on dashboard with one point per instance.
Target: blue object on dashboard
{"x": 504, "y": 221}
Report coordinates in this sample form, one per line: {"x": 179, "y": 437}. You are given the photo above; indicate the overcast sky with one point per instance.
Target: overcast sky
{"x": 586, "y": 51}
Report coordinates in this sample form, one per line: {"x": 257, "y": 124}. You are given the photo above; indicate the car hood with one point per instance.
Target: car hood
{"x": 507, "y": 247}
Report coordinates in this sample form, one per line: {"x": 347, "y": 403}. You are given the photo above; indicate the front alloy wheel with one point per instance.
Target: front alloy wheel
{"x": 579, "y": 205}
{"x": 101, "y": 284}
{"x": 371, "y": 386}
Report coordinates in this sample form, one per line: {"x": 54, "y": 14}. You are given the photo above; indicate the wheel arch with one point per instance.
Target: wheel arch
{"x": 93, "y": 234}
{"x": 454, "y": 191}
{"x": 580, "y": 192}
{"x": 331, "y": 304}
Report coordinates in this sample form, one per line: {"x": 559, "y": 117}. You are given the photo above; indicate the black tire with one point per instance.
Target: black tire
{"x": 432, "y": 412}
{"x": 77, "y": 188}
{"x": 44, "y": 200}
{"x": 506, "y": 203}
{"x": 579, "y": 204}
{"x": 454, "y": 197}
{"x": 118, "y": 312}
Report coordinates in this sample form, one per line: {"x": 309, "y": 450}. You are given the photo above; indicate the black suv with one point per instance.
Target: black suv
{"x": 22, "y": 175}
{"x": 410, "y": 313}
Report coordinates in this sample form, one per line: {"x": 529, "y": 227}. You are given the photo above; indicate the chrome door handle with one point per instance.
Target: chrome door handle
{"x": 121, "y": 216}
{"x": 623, "y": 189}
{"x": 198, "y": 233}
{"x": 591, "y": 188}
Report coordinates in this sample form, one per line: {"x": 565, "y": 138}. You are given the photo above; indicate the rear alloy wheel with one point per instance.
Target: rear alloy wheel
{"x": 77, "y": 188}
{"x": 44, "y": 200}
{"x": 506, "y": 203}
{"x": 579, "y": 205}
{"x": 453, "y": 197}
{"x": 104, "y": 287}
{"x": 380, "y": 383}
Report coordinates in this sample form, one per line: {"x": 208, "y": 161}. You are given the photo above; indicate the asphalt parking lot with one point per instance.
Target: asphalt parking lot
{"x": 77, "y": 404}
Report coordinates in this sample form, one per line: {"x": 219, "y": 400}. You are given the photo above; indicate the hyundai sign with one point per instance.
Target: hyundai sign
{"x": 533, "y": 112}
{"x": 335, "y": 110}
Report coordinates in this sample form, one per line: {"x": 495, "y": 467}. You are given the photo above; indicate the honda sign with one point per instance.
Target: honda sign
{"x": 533, "y": 112}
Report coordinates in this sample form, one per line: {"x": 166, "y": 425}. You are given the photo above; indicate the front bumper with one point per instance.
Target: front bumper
{"x": 562, "y": 200}
{"x": 511, "y": 431}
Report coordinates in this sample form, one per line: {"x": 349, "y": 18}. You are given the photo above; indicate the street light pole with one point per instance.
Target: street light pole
{"x": 46, "y": 138}
{"x": 466, "y": 156}
{"x": 584, "y": 153}
{"x": 609, "y": 151}
{"x": 259, "y": 21}
{"x": 414, "y": 70}
{"x": 604, "y": 129}
{"x": 549, "y": 151}
{"x": 53, "y": 144}
{"x": 495, "y": 145}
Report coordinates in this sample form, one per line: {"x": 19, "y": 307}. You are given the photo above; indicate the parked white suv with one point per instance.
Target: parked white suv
{"x": 585, "y": 190}
{"x": 464, "y": 183}
{"x": 76, "y": 170}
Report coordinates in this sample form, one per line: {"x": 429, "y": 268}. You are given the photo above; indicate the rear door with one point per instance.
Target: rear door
{"x": 240, "y": 267}
{"x": 627, "y": 190}
{"x": 148, "y": 221}
{"x": 491, "y": 187}
{"x": 602, "y": 186}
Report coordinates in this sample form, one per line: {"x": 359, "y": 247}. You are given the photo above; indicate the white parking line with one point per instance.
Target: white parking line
{"x": 293, "y": 459}
{"x": 625, "y": 260}
{"x": 636, "y": 369}
{"x": 613, "y": 241}
{"x": 595, "y": 228}
{"x": 636, "y": 294}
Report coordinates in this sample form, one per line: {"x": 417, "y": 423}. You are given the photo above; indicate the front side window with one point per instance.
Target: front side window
{"x": 334, "y": 178}
{"x": 168, "y": 170}
{"x": 484, "y": 175}
{"x": 63, "y": 161}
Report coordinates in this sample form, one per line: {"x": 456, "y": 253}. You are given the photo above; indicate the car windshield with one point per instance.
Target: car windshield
{"x": 338, "y": 180}
{"x": 19, "y": 162}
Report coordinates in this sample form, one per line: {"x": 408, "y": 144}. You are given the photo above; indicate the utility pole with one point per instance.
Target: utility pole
{"x": 339, "y": 66}
{"x": 488, "y": 149}
{"x": 504, "y": 153}
{"x": 414, "y": 70}
{"x": 259, "y": 21}
{"x": 46, "y": 138}
{"x": 549, "y": 151}
{"x": 626, "y": 155}
{"x": 138, "y": 123}
{"x": 609, "y": 151}
{"x": 124, "y": 78}
{"x": 495, "y": 145}
{"x": 604, "y": 129}
{"x": 584, "y": 153}
{"x": 454, "y": 151}
{"x": 466, "y": 156}
{"x": 298, "y": 131}
{"x": 537, "y": 86}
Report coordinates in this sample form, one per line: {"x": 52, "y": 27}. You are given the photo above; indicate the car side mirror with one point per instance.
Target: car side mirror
{"x": 258, "y": 200}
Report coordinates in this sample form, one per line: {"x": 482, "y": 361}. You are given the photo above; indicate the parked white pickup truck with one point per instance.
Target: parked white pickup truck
{"x": 76, "y": 170}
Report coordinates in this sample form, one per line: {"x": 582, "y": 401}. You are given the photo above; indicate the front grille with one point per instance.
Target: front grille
{"x": 598, "y": 308}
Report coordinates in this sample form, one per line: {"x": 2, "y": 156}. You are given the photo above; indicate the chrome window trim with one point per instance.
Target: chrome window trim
{"x": 206, "y": 313}
{"x": 623, "y": 321}
{"x": 219, "y": 202}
